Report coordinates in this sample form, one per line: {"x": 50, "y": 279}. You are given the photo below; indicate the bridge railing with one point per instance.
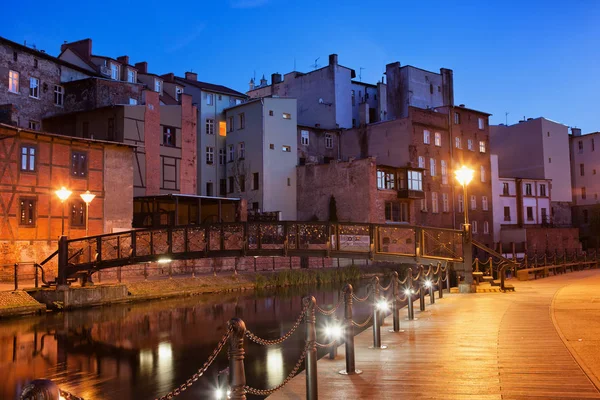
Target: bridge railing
{"x": 336, "y": 327}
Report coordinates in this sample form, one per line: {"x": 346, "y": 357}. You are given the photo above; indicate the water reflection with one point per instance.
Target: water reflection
{"x": 144, "y": 350}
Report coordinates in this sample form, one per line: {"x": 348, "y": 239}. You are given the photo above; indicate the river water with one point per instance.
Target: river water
{"x": 144, "y": 350}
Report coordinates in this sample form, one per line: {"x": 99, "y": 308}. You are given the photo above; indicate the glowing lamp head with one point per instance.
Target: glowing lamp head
{"x": 464, "y": 175}
{"x": 428, "y": 283}
{"x": 164, "y": 260}
{"x": 87, "y": 197}
{"x": 407, "y": 291}
{"x": 219, "y": 393}
{"x": 334, "y": 332}
{"x": 383, "y": 305}
{"x": 63, "y": 193}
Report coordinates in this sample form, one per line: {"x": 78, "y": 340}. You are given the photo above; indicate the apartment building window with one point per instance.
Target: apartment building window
{"x": 438, "y": 139}
{"x": 482, "y": 173}
{"x": 255, "y": 181}
{"x": 486, "y": 227}
{"x": 241, "y": 150}
{"x": 528, "y": 189}
{"x": 34, "y": 88}
{"x": 583, "y": 193}
{"x": 421, "y": 162}
{"x": 470, "y": 144}
{"x": 231, "y": 152}
{"x": 434, "y": 203}
{"x": 484, "y": 203}
{"x": 328, "y": 141}
{"x": 505, "y": 191}
{"x": 209, "y": 188}
{"x": 286, "y": 149}
{"x": 77, "y": 213}
{"x": 461, "y": 203}
{"x": 13, "y": 81}
{"x": 424, "y": 205}
{"x": 415, "y": 180}
{"x": 242, "y": 117}
{"x": 289, "y": 182}
{"x": 59, "y": 94}
{"x": 474, "y": 226}
{"x": 210, "y": 126}
{"x": 456, "y": 118}
{"x": 222, "y": 187}
{"x": 507, "y": 213}
{"x": 230, "y": 124}
{"x": 28, "y": 158}
{"x": 580, "y": 147}
{"x": 271, "y": 146}
{"x": 581, "y": 169}
{"x": 231, "y": 184}
{"x": 396, "y": 211}
{"x": 426, "y": 137}
{"x": 543, "y": 190}
{"x": 210, "y": 154}
{"x": 34, "y": 125}
{"x": 132, "y": 102}
{"x": 27, "y": 212}
{"x": 221, "y": 156}
{"x": 445, "y": 203}
{"x": 242, "y": 183}
{"x": 482, "y": 146}
{"x": 287, "y": 116}
{"x": 444, "y": 169}
{"x": 178, "y": 93}
{"x": 457, "y": 143}
{"x": 169, "y": 136}
{"x": 529, "y": 213}
{"x": 209, "y": 99}
{"x": 432, "y": 166}
{"x": 114, "y": 71}
{"x": 385, "y": 179}
{"x": 473, "y": 202}
{"x": 270, "y": 113}
{"x": 304, "y": 138}
{"x": 481, "y": 123}
{"x": 158, "y": 86}
{"x": 131, "y": 77}
{"x": 79, "y": 164}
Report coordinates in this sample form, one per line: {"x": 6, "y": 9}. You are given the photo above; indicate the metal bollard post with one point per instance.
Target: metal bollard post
{"x": 311, "y": 351}
{"x": 334, "y": 346}
{"x": 349, "y": 333}
{"x": 440, "y": 284}
{"x": 395, "y": 308}
{"x": 376, "y": 315}
{"x": 431, "y": 294}
{"x": 409, "y": 298}
{"x": 422, "y": 298}
{"x": 16, "y": 276}
{"x": 237, "y": 374}
{"x": 37, "y": 281}
{"x": 448, "y": 278}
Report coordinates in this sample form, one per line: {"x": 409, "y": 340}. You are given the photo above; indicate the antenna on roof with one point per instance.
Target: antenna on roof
{"x": 315, "y": 65}
{"x": 360, "y": 73}
{"x": 506, "y": 117}
{"x": 294, "y": 63}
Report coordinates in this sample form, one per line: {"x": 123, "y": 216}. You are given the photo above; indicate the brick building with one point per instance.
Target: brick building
{"x": 317, "y": 146}
{"x": 34, "y": 165}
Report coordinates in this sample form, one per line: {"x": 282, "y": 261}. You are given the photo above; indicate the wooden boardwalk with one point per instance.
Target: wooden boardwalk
{"x": 476, "y": 346}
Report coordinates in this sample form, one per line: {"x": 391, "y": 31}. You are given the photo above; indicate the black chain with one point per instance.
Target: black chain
{"x": 267, "y": 342}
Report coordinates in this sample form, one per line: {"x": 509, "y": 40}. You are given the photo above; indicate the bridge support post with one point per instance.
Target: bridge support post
{"x": 311, "y": 352}
{"x": 237, "y": 373}
{"x": 349, "y": 333}
{"x": 467, "y": 285}
{"x": 63, "y": 261}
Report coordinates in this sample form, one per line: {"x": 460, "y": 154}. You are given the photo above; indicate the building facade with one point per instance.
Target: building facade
{"x": 318, "y": 146}
{"x": 262, "y": 155}
{"x": 537, "y": 149}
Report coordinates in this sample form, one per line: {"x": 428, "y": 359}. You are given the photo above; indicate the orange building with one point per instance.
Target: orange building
{"x": 33, "y": 165}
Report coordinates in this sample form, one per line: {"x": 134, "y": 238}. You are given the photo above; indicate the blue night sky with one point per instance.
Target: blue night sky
{"x": 528, "y": 58}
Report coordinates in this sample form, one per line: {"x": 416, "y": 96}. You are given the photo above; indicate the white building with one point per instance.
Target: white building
{"x": 262, "y": 155}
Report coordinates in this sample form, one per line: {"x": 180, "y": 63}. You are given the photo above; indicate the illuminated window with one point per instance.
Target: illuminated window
{"x": 28, "y": 158}
{"x": 426, "y": 137}
{"x": 434, "y": 202}
{"x": 13, "y": 81}
{"x": 304, "y": 138}
{"x": 482, "y": 146}
{"x": 287, "y": 116}
{"x": 445, "y": 204}
{"x": 34, "y": 88}
{"x": 385, "y": 179}
{"x": 415, "y": 180}
{"x": 222, "y": 128}
{"x": 438, "y": 139}
{"x": 27, "y": 212}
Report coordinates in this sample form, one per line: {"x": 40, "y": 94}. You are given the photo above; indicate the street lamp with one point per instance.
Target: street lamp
{"x": 87, "y": 198}
{"x": 63, "y": 194}
{"x": 464, "y": 175}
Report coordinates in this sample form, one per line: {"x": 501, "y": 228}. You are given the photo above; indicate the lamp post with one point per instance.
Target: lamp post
{"x": 63, "y": 194}
{"x": 464, "y": 175}
{"x": 87, "y": 198}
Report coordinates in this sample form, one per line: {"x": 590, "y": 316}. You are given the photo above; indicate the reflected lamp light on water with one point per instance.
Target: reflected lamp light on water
{"x": 382, "y": 305}
{"x": 334, "y": 331}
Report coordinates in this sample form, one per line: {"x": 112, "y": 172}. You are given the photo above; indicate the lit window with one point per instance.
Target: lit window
{"x": 481, "y": 123}
{"x": 158, "y": 86}
{"x": 415, "y": 180}
{"x": 484, "y": 203}
{"x": 59, "y": 95}
{"x": 210, "y": 154}
{"x": 432, "y": 166}
{"x": 426, "y": 137}
{"x": 421, "y": 162}
{"x": 385, "y": 179}
{"x": 470, "y": 144}
{"x": 222, "y": 128}
{"x": 131, "y": 76}
{"x": 210, "y": 126}
{"x": 13, "y": 81}
{"x": 482, "y": 173}
{"x": 473, "y": 202}
{"x": 27, "y": 212}
{"x": 445, "y": 203}
{"x": 286, "y": 149}
{"x": 304, "y": 138}
{"x": 444, "y": 172}
{"x": 287, "y": 116}
{"x": 434, "y": 202}
{"x": 132, "y": 102}
{"x": 482, "y": 146}
{"x": 438, "y": 139}
{"x": 241, "y": 150}
{"x": 27, "y": 158}
{"x": 114, "y": 71}
{"x": 34, "y": 88}
{"x": 457, "y": 143}
{"x": 328, "y": 141}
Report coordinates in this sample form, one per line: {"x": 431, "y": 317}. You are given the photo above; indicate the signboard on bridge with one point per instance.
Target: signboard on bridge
{"x": 352, "y": 242}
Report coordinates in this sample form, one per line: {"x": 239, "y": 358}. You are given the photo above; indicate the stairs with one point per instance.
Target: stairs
{"x": 494, "y": 285}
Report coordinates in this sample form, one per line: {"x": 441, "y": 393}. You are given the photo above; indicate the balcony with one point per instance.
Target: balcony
{"x": 410, "y": 194}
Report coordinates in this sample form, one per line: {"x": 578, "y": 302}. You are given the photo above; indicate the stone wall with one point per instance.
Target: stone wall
{"x": 551, "y": 239}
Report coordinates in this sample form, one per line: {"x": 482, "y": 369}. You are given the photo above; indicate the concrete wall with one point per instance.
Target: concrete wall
{"x": 556, "y": 147}
{"x": 152, "y": 141}
{"x": 588, "y": 156}
{"x": 189, "y": 150}
{"x": 364, "y": 93}
{"x": 118, "y": 188}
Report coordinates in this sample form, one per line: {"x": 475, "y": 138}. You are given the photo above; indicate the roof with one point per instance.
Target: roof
{"x": 168, "y": 99}
{"x": 189, "y": 196}
{"x": 364, "y": 84}
{"x": 455, "y": 107}
{"x": 210, "y": 87}
{"x": 46, "y": 56}
{"x": 65, "y": 137}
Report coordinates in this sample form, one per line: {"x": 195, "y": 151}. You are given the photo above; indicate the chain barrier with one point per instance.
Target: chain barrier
{"x": 182, "y": 388}
{"x": 403, "y": 298}
{"x": 386, "y": 288}
{"x": 326, "y": 345}
{"x": 268, "y": 392}
{"x": 364, "y": 323}
{"x": 332, "y": 310}
{"x": 361, "y": 299}
{"x": 69, "y": 396}
{"x": 402, "y": 281}
{"x": 418, "y": 277}
{"x": 272, "y": 342}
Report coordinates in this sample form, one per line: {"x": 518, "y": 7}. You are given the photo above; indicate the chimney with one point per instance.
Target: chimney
{"x": 170, "y": 77}
{"x": 83, "y": 48}
{"x": 447, "y": 86}
{"x": 191, "y": 76}
{"x": 251, "y": 83}
{"x": 576, "y": 131}
{"x": 142, "y": 67}
{"x": 396, "y": 98}
{"x": 123, "y": 59}
{"x": 275, "y": 78}
{"x": 333, "y": 59}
